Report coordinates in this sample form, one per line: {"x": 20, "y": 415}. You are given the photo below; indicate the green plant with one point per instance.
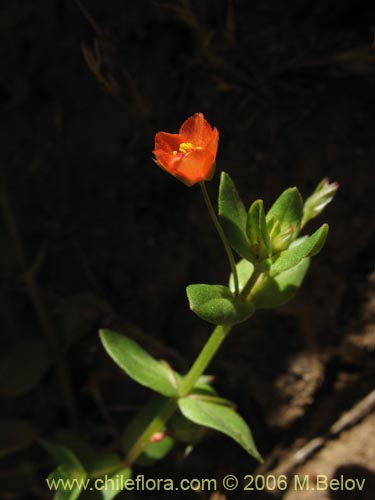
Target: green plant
{"x": 274, "y": 259}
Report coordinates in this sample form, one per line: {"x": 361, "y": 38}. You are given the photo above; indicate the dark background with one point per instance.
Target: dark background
{"x": 113, "y": 241}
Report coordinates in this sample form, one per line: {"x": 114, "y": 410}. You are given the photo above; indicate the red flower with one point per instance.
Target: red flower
{"x": 189, "y": 155}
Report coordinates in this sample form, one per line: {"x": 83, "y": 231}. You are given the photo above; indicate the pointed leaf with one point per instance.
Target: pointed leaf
{"x": 257, "y": 231}
{"x": 114, "y": 484}
{"x": 278, "y": 290}
{"x": 64, "y": 475}
{"x": 63, "y": 455}
{"x": 233, "y": 216}
{"x": 287, "y": 210}
{"x": 221, "y": 418}
{"x": 138, "y": 364}
{"x": 307, "y": 248}
{"x": 70, "y": 469}
{"x": 216, "y": 304}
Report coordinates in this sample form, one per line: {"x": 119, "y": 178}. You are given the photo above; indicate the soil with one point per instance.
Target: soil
{"x": 115, "y": 240}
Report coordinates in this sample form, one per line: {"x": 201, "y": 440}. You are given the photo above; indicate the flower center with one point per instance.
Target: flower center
{"x": 186, "y": 148}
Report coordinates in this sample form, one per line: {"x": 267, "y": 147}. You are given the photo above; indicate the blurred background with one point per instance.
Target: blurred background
{"x": 94, "y": 235}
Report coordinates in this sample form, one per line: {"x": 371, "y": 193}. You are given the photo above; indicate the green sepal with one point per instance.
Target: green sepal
{"x": 278, "y": 290}
{"x": 285, "y": 215}
{"x": 217, "y": 304}
{"x": 257, "y": 231}
{"x": 139, "y": 365}
{"x": 307, "y": 248}
{"x": 220, "y": 418}
{"x": 233, "y": 216}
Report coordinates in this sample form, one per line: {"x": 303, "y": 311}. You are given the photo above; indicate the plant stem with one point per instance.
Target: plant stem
{"x": 170, "y": 406}
{"x": 165, "y": 413}
{"x": 40, "y": 310}
{"x": 253, "y": 279}
{"x": 200, "y": 364}
{"x": 223, "y": 238}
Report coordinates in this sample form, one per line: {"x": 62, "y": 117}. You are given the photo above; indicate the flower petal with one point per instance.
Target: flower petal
{"x": 196, "y": 130}
{"x": 167, "y": 142}
{"x": 195, "y": 167}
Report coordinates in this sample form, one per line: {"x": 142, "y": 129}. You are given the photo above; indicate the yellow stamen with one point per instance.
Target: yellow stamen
{"x": 186, "y": 148}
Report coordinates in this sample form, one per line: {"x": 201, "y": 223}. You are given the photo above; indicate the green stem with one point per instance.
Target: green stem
{"x": 165, "y": 413}
{"x": 40, "y": 310}
{"x": 223, "y": 238}
{"x": 170, "y": 406}
{"x": 250, "y": 284}
{"x": 199, "y": 366}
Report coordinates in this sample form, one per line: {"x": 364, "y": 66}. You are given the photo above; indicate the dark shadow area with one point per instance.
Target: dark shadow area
{"x": 352, "y": 482}
{"x": 112, "y": 241}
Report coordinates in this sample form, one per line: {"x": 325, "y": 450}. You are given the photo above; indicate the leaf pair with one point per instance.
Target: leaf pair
{"x": 202, "y": 407}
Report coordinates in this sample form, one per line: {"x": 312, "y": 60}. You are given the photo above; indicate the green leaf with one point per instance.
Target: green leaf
{"x": 156, "y": 451}
{"x": 307, "y": 248}
{"x": 216, "y": 304}
{"x": 233, "y": 216}
{"x": 257, "y": 231}
{"x": 244, "y": 271}
{"x": 64, "y": 475}
{"x": 278, "y": 290}
{"x": 77, "y": 315}
{"x": 15, "y": 435}
{"x": 63, "y": 455}
{"x": 138, "y": 364}
{"x": 287, "y": 210}
{"x": 23, "y": 366}
{"x": 115, "y": 483}
{"x": 101, "y": 462}
{"x": 221, "y": 418}
{"x": 70, "y": 469}
{"x": 184, "y": 430}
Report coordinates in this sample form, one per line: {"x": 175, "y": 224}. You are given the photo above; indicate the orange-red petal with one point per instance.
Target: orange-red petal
{"x": 196, "y": 130}
{"x": 167, "y": 142}
{"x": 196, "y": 167}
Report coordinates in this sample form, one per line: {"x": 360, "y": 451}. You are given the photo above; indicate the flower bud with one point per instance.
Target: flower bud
{"x": 315, "y": 204}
